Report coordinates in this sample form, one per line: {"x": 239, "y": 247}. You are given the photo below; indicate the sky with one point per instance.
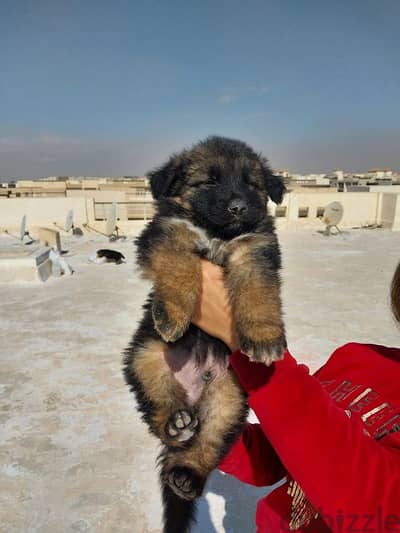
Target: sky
{"x": 100, "y": 87}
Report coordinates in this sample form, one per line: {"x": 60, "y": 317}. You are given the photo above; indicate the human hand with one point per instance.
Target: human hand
{"x": 214, "y": 316}
{"x": 214, "y": 313}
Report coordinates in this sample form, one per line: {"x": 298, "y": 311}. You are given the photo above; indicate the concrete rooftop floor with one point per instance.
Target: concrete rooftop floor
{"x": 74, "y": 455}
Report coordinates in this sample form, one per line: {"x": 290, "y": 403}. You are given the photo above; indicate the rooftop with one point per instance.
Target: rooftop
{"x": 75, "y": 456}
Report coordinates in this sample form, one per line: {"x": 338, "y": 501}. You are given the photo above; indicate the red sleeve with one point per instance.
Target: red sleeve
{"x": 252, "y": 459}
{"x": 340, "y": 469}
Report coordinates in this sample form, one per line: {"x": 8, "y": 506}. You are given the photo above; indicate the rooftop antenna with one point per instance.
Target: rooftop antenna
{"x": 69, "y": 224}
{"x": 112, "y": 230}
{"x": 69, "y": 221}
{"x": 333, "y": 214}
{"x": 23, "y": 232}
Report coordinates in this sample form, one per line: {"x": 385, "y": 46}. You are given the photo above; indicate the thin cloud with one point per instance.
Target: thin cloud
{"x": 354, "y": 151}
{"x": 29, "y": 155}
{"x": 228, "y": 98}
{"x": 231, "y": 95}
{"x": 48, "y": 154}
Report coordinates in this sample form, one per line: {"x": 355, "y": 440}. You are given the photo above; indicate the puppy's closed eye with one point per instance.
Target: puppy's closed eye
{"x": 197, "y": 184}
{"x": 208, "y": 182}
{"x": 254, "y": 185}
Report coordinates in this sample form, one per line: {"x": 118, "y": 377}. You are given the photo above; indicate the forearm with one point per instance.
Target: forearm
{"x": 308, "y": 432}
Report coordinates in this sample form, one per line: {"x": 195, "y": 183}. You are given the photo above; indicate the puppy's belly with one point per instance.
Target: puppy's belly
{"x": 192, "y": 375}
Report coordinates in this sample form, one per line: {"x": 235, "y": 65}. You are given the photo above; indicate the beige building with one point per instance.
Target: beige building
{"x": 380, "y": 173}
{"x": 47, "y": 201}
{"x": 64, "y": 186}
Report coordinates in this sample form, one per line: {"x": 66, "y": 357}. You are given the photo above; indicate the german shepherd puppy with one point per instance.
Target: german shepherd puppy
{"x": 211, "y": 203}
{"x": 110, "y": 256}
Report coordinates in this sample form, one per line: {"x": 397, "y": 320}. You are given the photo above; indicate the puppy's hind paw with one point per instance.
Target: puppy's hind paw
{"x": 265, "y": 352}
{"x": 169, "y": 329}
{"x": 184, "y": 482}
{"x": 182, "y": 426}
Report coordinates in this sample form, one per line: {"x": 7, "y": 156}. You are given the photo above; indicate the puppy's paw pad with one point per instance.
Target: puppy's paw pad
{"x": 263, "y": 352}
{"x": 169, "y": 330}
{"x": 182, "y": 426}
{"x": 184, "y": 482}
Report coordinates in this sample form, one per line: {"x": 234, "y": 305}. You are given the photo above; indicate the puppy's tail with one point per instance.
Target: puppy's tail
{"x": 179, "y": 514}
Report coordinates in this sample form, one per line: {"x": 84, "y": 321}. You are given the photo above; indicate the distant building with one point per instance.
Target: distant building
{"x": 339, "y": 174}
{"x": 341, "y": 180}
{"x": 309, "y": 180}
{"x": 283, "y": 173}
{"x": 380, "y": 173}
{"x": 56, "y": 186}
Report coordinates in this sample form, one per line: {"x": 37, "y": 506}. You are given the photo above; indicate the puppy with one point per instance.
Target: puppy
{"x": 211, "y": 203}
{"x": 109, "y": 256}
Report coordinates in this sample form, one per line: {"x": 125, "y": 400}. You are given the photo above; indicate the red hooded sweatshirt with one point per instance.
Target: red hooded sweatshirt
{"x": 337, "y": 434}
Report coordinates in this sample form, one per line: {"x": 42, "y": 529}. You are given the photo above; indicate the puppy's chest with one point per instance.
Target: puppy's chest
{"x": 210, "y": 248}
{"x": 214, "y": 250}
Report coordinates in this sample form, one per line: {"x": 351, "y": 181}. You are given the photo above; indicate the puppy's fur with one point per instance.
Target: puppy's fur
{"x": 110, "y": 256}
{"x": 212, "y": 204}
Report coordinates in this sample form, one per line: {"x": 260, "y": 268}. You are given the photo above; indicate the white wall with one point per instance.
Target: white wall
{"x": 396, "y": 221}
{"x": 40, "y": 211}
{"x": 390, "y": 189}
{"x": 387, "y": 209}
{"x": 360, "y": 208}
{"x": 99, "y": 196}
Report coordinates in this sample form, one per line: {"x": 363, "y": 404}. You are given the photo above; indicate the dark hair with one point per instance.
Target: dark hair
{"x": 395, "y": 294}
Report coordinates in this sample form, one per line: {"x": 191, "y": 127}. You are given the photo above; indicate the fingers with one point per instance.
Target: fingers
{"x": 211, "y": 272}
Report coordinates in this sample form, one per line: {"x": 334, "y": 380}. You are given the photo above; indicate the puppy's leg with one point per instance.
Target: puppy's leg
{"x": 222, "y": 411}
{"x": 252, "y": 277}
{"x": 161, "y": 399}
{"x": 166, "y": 252}
{"x": 179, "y": 514}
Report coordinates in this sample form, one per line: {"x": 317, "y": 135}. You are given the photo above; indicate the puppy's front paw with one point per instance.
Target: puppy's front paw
{"x": 182, "y": 426}
{"x": 170, "y": 329}
{"x": 266, "y": 351}
{"x": 184, "y": 482}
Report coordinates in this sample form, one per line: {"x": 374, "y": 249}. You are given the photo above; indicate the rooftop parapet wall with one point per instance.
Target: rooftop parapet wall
{"x": 298, "y": 210}
{"x": 41, "y": 211}
{"x": 44, "y": 212}
{"x": 396, "y": 217}
{"x": 360, "y": 209}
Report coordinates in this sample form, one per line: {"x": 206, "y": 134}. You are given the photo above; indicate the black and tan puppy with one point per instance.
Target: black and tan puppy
{"x": 110, "y": 256}
{"x": 211, "y": 203}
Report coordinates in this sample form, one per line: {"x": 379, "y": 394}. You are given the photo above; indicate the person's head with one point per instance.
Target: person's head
{"x": 395, "y": 294}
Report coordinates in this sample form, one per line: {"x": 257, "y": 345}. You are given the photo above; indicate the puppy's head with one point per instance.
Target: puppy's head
{"x": 221, "y": 184}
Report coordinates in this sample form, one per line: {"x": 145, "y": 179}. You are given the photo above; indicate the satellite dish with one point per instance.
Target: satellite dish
{"x": 333, "y": 214}
{"x": 111, "y": 227}
{"x": 69, "y": 221}
{"x": 23, "y": 232}
{"x": 69, "y": 224}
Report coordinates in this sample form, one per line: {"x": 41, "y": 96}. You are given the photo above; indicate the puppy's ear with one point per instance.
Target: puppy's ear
{"x": 274, "y": 186}
{"x": 165, "y": 180}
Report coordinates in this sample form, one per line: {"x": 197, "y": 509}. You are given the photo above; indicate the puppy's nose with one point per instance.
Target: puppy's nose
{"x": 237, "y": 207}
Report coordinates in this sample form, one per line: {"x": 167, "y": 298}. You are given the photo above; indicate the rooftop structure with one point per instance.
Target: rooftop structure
{"x": 58, "y": 186}
{"x": 75, "y": 455}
